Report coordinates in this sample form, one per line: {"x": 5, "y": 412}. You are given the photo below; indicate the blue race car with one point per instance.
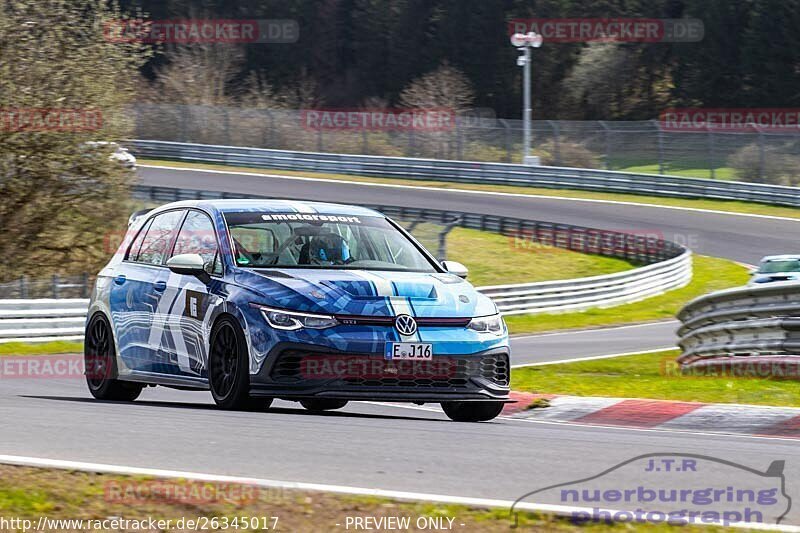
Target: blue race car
{"x": 310, "y": 302}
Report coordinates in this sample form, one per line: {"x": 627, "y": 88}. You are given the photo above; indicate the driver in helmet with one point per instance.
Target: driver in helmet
{"x": 329, "y": 249}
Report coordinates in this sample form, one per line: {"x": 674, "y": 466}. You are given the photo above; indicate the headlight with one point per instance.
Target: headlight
{"x": 290, "y": 320}
{"x": 488, "y": 324}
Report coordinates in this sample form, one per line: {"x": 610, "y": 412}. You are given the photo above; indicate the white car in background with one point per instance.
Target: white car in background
{"x": 774, "y": 268}
{"x": 119, "y": 154}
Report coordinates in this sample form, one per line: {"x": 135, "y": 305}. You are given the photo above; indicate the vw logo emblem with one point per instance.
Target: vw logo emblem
{"x": 405, "y": 324}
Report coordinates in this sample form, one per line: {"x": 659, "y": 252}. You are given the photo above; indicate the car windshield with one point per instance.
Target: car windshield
{"x": 297, "y": 240}
{"x": 771, "y": 267}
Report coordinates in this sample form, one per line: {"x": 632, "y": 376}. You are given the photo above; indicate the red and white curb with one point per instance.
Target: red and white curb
{"x": 736, "y": 419}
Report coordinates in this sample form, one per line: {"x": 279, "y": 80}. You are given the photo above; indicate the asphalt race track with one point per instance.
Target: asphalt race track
{"x": 548, "y": 347}
{"x": 365, "y": 445}
{"x": 388, "y": 446}
{"x": 741, "y": 238}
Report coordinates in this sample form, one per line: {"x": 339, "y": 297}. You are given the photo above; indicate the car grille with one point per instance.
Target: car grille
{"x": 289, "y": 368}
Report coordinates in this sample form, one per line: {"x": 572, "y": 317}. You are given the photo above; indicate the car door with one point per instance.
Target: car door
{"x": 137, "y": 293}
{"x": 187, "y": 320}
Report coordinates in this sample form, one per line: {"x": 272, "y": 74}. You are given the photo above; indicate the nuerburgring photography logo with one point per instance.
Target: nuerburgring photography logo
{"x": 671, "y": 488}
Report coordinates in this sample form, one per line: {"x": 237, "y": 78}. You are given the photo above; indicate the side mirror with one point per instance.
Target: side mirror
{"x": 752, "y": 271}
{"x": 456, "y": 268}
{"x": 189, "y": 265}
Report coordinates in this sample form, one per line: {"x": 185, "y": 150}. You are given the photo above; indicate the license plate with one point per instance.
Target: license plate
{"x": 415, "y": 351}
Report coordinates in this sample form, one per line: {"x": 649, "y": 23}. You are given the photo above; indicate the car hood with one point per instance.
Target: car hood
{"x": 369, "y": 293}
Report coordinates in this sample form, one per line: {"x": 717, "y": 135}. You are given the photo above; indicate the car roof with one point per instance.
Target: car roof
{"x": 780, "y": 258}
{"x": 275, "y": 206}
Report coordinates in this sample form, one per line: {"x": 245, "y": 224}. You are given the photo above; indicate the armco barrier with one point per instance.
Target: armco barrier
{"x": 741, "y": 324}
{"x": 667, "y": 266}
{"x": 598, "y": 291}
{"x": 471, "y": 172}
{"x": 42, "y": 319}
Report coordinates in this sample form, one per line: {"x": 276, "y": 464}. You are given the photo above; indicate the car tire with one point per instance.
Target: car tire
{"x": 472, "y": 411}
{"x": 229, "y": 368}
{"x": 322, "y": 404}
{"x": 100, "y": 364}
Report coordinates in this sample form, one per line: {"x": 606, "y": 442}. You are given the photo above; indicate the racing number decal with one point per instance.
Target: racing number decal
{"x": 195, "y": 305}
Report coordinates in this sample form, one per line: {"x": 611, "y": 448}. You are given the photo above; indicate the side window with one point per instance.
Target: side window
{"x": 197, "y": 236}
{"x": 159, "y": 235}
{"x": 133, "y": 251}
{"x": 256, "y": 239}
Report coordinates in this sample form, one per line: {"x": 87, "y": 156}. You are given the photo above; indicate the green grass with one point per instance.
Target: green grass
{"x": 494, "y": 259}
{"x": 28, "y": 493}
{"x": 41, "y": 348}
{"x": 717, "y": 205}
{"x": 655, "y": 376}
{"x": 710, "y": 274}
{"x": 720, "y": 173}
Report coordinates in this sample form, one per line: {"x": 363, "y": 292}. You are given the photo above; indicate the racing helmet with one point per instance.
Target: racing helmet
{"x": 328, "y": 248}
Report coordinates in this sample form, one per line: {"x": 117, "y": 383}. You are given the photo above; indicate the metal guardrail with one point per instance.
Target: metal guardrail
{"x": 741, "y": 323}
{"x": 597, "y": 291}
{"x": 471, "y": 172}
{"x": 667, "y": 266}
{"x": 42, "y": 319}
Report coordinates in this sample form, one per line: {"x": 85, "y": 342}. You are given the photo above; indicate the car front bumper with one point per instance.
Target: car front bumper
{"x": 299, "y": 371}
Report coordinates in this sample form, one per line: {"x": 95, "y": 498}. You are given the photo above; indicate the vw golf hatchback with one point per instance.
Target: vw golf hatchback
{"x": 311, "y": 302}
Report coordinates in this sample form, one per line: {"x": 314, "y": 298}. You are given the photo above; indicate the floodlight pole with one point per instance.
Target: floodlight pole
{"x": 524, "y": 42}
{"x": 527, "y": 113}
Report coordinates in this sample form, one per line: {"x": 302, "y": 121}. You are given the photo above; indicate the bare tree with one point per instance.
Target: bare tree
{"x": 611, "y": 77}
{"x": 257, "y": 92}
{"x": 60, "y": 197}
{"x": 374, "y": 102}
{"x": 198, "y": 74}
{"x": 446, "y": 87}
{"x": 301, "y": 93}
